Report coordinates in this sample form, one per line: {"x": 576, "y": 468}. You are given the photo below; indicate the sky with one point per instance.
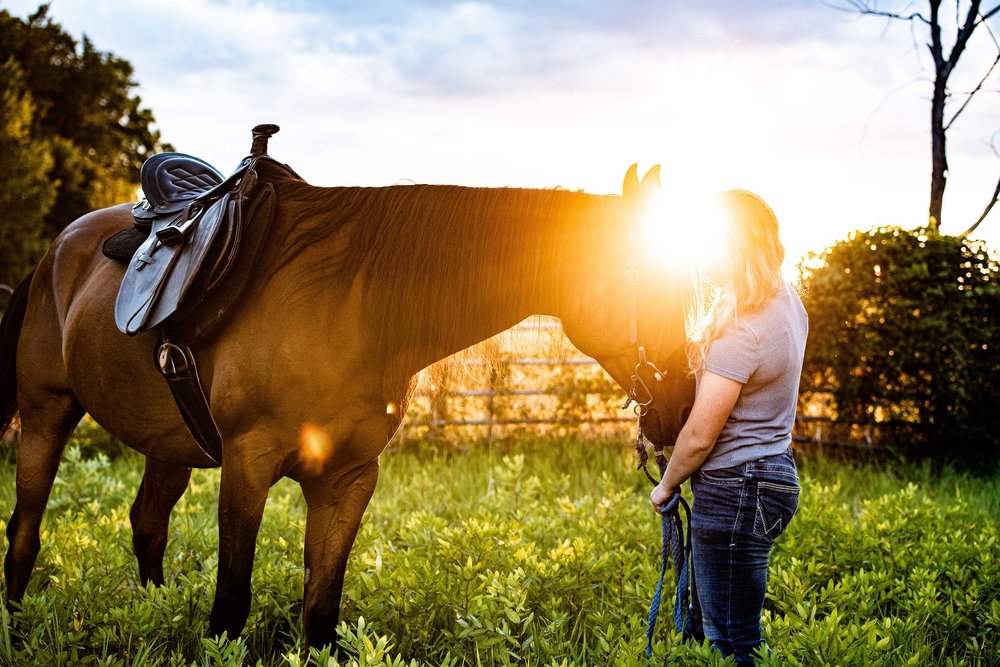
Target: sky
{"x": 823, "y": 113}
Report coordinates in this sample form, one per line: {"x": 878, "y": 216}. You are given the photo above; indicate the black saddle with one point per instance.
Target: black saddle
{"x": 170, "y": 181}
{"x": 191, "y": 229}
{"x": 191, "y": 252}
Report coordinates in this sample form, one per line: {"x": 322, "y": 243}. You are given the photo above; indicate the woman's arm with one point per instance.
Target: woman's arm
{"x": 712, "y": 406}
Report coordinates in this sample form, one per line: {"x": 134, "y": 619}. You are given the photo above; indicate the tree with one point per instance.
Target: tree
{"x": 905, "y": 329}
{"x": 26, "y": 193}
{"x": 81, "y": 107}
{"x": 966, "y": 24}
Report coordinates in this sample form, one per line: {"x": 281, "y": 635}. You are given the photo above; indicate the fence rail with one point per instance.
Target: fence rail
{"x": 817, "y": 437}
{"x": 810, "y": 430}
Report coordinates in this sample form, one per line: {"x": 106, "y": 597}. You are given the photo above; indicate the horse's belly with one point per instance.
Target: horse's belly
{"x": 116, "y": 383}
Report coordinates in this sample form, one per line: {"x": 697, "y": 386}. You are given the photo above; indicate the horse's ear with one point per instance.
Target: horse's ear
{"x": 651, "y": 181}
{"x": 630, "y": 188}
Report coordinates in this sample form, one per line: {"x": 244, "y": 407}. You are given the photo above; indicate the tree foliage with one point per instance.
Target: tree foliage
{"x": 26, "y": 194}
{"x": 70, "y": 121}
{"x": 905, "y": 330}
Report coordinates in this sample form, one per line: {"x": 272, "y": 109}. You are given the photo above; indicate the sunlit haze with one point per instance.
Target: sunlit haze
{"x": 823, "y": 114}
{"x": 683, "y": 227}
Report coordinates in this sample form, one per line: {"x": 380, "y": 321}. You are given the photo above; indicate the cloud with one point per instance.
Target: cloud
{"x": 477, "y": 48}
{"x": 429, "y": 48}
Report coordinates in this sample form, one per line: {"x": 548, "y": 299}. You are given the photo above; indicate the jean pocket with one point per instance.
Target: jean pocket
{"x": 776, "y": 505}
{"x": 723, "y": 477}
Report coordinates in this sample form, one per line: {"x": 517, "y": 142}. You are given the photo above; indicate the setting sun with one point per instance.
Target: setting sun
{"x": 682, "y": 228}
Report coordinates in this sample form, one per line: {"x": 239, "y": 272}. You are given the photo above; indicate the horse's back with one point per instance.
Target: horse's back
{"x": 74, "y": 262}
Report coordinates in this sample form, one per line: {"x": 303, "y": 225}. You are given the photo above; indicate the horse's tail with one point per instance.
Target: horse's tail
{"x": 10, "y": 332}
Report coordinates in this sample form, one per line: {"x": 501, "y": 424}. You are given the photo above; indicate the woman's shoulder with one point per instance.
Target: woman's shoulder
{"x": 785, "y": 309}
{"x": 784, "y": 305}
{"x": 792, "y": 300}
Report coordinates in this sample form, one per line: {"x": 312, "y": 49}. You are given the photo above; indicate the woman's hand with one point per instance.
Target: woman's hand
{"x": 661, "y": 494}
{"x": 712, "y": 406}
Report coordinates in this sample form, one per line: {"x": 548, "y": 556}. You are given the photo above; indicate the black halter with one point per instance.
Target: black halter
{"x": 640, "y": 393}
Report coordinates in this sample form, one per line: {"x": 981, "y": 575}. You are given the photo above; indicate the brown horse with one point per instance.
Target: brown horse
{"x": 358, "y": 290}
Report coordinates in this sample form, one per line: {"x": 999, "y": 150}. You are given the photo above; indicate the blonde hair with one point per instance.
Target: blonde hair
{"x": 752, "y": 262}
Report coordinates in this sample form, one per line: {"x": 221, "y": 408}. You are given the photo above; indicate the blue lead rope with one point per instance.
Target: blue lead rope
{"x": 674, "y": 546}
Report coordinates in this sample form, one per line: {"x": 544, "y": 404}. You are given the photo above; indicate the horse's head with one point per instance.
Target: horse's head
{"x": 632, "y": 312}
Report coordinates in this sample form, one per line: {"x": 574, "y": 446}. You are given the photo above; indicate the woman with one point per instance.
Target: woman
{"x": 735, "y": 446}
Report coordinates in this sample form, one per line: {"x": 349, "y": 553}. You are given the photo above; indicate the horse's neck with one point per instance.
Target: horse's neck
{"x": 499, "y": 256}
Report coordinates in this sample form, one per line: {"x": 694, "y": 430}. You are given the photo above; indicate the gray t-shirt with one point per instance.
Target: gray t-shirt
{"x": 763, "y": 351}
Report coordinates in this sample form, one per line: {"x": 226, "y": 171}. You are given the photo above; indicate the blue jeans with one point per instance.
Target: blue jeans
{"x": 737, "y": 514}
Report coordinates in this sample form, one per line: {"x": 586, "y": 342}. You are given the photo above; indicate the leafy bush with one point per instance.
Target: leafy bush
{"x": 536, "y": 553}
{"x": 905, "y": 331}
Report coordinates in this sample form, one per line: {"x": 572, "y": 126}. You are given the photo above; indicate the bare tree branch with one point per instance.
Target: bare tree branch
{"x": 989, "y": 30}
{"x": 996, "y": 192}
{"x": 860, "y": 7}
{"x": 986, "y": 212}
{"x": 989, "y": 13}
{"x": 964, "y": 33}
{"x": 937, "y": 51}
{"x": 975, "y": 90}
{"x": 945, "y": 64}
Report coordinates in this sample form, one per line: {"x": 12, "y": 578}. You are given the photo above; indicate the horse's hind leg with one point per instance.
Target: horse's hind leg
{"x": 162, "y": 486}
{"x": 45, "y": 427}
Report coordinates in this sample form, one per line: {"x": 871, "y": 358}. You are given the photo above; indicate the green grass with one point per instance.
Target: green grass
{"x": 540, "y": 553}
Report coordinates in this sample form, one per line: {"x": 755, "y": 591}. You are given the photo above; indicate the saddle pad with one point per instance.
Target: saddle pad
{"x": 122, "y": 245}
{"x": 158, "y": 275}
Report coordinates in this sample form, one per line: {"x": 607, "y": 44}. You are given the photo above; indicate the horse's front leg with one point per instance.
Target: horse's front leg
{"x": 162, "y": 486}
{"x": 249, "y": 467}
{"x": 335, "y": 503}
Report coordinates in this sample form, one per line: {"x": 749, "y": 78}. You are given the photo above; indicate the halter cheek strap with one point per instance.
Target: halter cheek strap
{"x": 639, "y": 393}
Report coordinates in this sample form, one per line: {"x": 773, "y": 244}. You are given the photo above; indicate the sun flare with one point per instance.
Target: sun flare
{"x": 683, "y": 228}
{"x": 315, "y": 446}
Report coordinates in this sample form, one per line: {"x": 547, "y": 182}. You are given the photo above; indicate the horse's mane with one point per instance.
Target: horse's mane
{"x": 426, "y": 248}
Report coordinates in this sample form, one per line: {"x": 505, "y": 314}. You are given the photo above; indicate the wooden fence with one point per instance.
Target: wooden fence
{"x": 549, "y": 397}
{"x": 811, "y": 431}
{"x": 539, "y": 408}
